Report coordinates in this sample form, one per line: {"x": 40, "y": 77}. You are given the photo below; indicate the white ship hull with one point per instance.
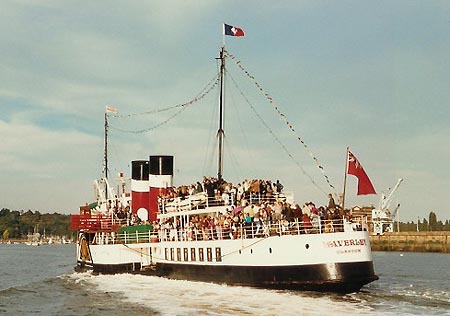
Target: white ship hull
{"x": 339, "y": 261}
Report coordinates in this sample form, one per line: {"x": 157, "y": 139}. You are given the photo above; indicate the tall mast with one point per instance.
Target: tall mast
{"x": 105, "y": 167}
{"x": 345, "y": 178}
{"x": 220, "y": 132}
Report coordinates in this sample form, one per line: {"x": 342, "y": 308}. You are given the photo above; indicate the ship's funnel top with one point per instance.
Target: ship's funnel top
{"x": 139, "y": 170}
{"x": 161, "y": 165}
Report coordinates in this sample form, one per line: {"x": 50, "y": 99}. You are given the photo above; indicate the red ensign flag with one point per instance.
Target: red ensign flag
{"x": 356, "y": 169}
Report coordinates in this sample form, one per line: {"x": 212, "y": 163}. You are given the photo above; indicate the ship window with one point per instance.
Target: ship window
{"x": 200, "y": 254}
{"x": 251, "y": 250}
{"x": 172, "y": 257}
{"x": 193, "y": 254}
{"x": 270, "y": 250}
{"x": 218, "y": 255}
{"x": 209, "y": 254}
{"x": 166, "y": 255}
{"x": 178, "y": 254}
{"x": 307, "y": 246}
{"x": 186, "y": 254}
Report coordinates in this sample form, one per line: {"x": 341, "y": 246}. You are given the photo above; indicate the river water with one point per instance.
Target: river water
{"x": 40, "y": 281}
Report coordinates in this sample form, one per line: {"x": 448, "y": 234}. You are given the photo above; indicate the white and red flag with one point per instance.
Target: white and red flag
{"x": 355, "y": 168}
{"x": 111, "y": 110}
{"x": 232, "y": 30}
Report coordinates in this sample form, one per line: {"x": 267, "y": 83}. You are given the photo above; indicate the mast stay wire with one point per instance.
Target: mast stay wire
{"x": 211, "y": 156}
{"x": 275, "y": 137}
{"x": 241, "y": 129}
{"x": 203, "y": 93}
{"x": 207, "y": 89}
{"x": 233, "y": 159}
{"x": 283, "y": 116}
{"x": 210, "y": 150}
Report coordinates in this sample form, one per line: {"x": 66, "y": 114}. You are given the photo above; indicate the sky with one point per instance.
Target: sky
{"x": 371, "y": 75}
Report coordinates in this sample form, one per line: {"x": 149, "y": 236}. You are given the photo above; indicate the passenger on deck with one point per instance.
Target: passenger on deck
{"x": 306, "y": 223}
{"x": 277, "y": 210}
{"x": 331, "y": 204}
{"x": 248, "y": 219}
{"x": 269, "y": 191}
{"x": 219, "y": 223}
{"x": 199, "y": 187}
{"x": 226, "y": 198}
{"x": 298, "y": 212}
{"x": 278, "y": 186}
{"x": 135, "y": 220}
{"x": 306, "y": 210}
{"x": 249, "y": 210}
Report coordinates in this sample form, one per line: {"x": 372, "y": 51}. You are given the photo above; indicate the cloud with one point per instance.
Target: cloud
{"x": 365, "y": 77}
{"x": 36, "y": 162}
{"x": 87, "y": 53}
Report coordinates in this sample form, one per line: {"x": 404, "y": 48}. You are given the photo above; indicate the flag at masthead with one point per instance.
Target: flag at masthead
{"x": 232, "y": 30}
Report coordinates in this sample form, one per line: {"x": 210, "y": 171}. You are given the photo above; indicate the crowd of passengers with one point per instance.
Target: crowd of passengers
{"x": 254, "y": 220}
{"x": 221, "y": 191}
{"x": 253, "y": 205}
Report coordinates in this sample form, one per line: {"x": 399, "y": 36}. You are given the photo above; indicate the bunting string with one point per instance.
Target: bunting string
{"x": 205, "y": 91}
{"x": 275, "y": 137}
{"x": 282, "y": 116}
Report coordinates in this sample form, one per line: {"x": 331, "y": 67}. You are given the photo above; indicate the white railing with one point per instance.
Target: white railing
{"x": 201, "y": 201}
{"x": 236, "y": 231}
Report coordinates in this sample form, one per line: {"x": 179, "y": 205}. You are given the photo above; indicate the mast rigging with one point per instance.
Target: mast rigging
{"x": 105, "y": 157}
{"x": 220, "y": 132}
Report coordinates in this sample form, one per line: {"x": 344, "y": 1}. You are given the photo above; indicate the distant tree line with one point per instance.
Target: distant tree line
{"x": 19, "y": 224}
{"x": 432, "y": 224}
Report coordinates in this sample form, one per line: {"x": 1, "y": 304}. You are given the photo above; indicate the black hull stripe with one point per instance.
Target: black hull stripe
{"x": 335, "y": 277}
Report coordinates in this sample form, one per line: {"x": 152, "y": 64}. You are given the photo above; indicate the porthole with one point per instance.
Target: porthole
{"x": 251, "y": 250}
{"x": 240, "y": 252}
{"x": 270, "y": 250}
{"x": 307, "y": 246}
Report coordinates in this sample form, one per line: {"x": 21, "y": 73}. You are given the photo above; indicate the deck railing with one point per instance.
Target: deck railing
{"x": 202, "y": 200}
{"x": 95, "y": 223}
{"x": 241, "y": 231}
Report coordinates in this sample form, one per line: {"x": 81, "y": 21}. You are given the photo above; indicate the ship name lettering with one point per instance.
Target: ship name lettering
{"x": 345, "y": 243}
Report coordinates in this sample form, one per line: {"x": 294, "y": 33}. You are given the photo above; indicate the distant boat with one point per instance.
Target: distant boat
{"x": 35, "y": 238}
{"x": 32, "y": 243}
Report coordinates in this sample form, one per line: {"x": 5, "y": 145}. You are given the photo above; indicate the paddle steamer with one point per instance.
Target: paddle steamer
{"x": 196, "y": 236}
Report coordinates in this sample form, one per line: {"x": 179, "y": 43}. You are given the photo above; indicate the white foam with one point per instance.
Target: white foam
{"x": 173, "y": 297}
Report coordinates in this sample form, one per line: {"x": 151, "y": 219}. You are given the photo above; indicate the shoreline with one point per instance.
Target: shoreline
{"x": 432, "y": 242}
{"x": 32, "y": 243}
{"x": 438, "y": 242}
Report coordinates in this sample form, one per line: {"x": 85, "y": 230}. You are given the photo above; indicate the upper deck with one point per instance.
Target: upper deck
{"x": 199, "y": 217}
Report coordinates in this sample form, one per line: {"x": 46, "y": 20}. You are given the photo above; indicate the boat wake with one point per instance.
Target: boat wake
{"x": 412, "y": 299}
{"x": 174, "y": 297}
{"x": 160, "y": 296}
